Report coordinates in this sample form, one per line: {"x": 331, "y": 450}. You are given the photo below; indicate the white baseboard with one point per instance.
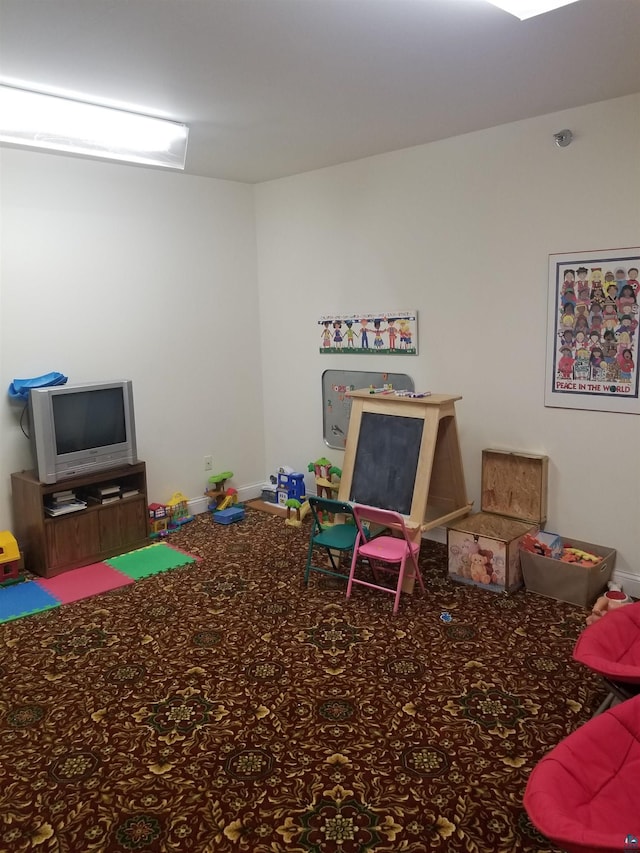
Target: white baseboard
{"x": 198, "y": 505}
{"x": 629, "y": 583}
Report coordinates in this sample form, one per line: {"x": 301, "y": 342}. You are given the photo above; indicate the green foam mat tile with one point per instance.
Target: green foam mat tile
{"x": 150, "y": 560}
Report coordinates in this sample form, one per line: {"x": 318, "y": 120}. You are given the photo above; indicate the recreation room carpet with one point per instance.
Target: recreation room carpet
{"x": 221, "y": 706}
{"x": 35, "y": 594}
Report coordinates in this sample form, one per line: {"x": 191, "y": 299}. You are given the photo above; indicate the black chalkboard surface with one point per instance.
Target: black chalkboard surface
{"x": 384, "y": 470}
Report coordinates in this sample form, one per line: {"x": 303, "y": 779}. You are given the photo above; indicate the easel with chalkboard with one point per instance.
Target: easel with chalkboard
{"x": 402, "y": 453}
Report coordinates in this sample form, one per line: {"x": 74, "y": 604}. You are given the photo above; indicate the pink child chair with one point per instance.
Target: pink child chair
{"x": 390, "y": 550}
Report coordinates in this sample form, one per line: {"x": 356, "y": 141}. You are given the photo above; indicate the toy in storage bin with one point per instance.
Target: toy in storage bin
{"x": 484, "y": 548}
{"x": 570, "y": 582}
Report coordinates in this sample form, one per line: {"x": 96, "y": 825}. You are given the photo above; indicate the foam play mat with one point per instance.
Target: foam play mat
{"x": 34, "y": 596}
{"x": 23, "y": 599}
{"x": 150, "y": 560}
{"x": 84, "y": 582}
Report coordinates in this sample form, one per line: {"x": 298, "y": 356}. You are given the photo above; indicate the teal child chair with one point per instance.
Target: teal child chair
{"x": 331, "y": 538}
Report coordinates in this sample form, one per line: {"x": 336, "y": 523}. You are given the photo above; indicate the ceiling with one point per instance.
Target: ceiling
{"x": 271, "y": 88}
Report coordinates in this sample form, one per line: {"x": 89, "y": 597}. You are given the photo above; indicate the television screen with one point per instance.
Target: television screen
{"x": 89, "y": 419}
{"x": 79, "y": 429}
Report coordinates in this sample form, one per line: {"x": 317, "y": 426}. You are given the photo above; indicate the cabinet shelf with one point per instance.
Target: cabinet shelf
{"x": 55, "y": 544}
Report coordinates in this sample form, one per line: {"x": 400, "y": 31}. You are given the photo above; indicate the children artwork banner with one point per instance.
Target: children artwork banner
{"x": 592, "y": 331}
{"x": 385, "y": 333}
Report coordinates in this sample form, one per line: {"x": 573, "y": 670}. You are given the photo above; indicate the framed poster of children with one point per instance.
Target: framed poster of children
{"x": 592, "y": 331}
{"x": 385, "y": 333}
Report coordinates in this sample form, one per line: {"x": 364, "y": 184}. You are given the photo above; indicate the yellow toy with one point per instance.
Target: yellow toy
{"x": 230, "y": 498}
{"x": 10, "y": 559}
{"x": 576, "y": 555}
{"x": 300, "y": 509}
{"x": 178, "y": 509}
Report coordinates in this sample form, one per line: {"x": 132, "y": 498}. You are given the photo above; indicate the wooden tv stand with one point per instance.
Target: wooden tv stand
{"x": 55, "y": 544}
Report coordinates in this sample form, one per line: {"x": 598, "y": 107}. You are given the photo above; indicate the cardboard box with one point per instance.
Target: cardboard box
{"x": 484, "y": 548}
{"x": 569, "y": 582}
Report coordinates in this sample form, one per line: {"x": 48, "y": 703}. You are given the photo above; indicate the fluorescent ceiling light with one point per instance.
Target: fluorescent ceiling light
{"x": 59, "y": 124}
{"x": 524, "y": 9}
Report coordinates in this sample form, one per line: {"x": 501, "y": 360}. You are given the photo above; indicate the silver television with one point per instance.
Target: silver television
{"x": 78, "y": 429}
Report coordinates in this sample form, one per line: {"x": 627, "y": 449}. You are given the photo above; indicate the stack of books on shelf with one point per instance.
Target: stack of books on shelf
{"x": 59, "y": 503}
{"x": 104, "y": 494}
{"x": 128, "y": 491}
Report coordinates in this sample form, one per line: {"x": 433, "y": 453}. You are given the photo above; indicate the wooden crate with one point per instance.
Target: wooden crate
{"x": 484, "y": 548}
{"x": 515, "y": 485}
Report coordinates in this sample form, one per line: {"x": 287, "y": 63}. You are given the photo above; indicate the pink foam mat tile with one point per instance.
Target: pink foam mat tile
{"x": 84, "y": 582}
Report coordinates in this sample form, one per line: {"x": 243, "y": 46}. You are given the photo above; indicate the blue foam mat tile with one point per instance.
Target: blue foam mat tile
{"x": 23, "y": 599}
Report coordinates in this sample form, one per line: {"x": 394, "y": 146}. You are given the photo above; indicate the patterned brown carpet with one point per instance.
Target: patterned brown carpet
{"x": 224, "y": 707}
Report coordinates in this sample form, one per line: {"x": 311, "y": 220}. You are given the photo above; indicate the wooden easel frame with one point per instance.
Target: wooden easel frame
{"x": 439, "y": 493}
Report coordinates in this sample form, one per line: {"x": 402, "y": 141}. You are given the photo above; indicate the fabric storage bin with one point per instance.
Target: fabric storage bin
{"x": 569, "y": 582}
{"x": 484, "y": 548}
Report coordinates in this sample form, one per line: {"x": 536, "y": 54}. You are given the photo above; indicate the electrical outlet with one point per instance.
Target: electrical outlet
{"x": 208, "y": 463}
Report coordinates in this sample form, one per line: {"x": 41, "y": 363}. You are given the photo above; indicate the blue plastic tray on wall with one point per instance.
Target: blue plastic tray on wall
{"x": 19, "y": 388}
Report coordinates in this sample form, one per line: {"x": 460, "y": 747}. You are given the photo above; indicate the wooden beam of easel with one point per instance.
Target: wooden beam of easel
{"x": 405, "y": 454}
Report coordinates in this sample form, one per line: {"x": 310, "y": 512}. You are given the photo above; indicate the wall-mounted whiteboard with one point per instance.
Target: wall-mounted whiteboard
{"x": 336, "y": 406}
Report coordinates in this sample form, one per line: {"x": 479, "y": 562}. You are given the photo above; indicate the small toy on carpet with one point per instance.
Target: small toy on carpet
{"x": 229, "y": 515}
{"x": 613, "y": 598}
{"x": 220, "y": 496}
{"x": 167, "y": 518}
{"x": 10, "y": 559}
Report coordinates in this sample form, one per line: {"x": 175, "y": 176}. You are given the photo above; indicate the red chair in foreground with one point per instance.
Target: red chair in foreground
{"x": 585, "y": 794}
{"x": 611, "y": 646}
{"x": 388, "y": 553}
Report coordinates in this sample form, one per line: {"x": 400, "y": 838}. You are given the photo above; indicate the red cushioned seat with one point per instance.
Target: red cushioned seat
{"x": 585, "y": 794}
{"x": 611, "y": 646}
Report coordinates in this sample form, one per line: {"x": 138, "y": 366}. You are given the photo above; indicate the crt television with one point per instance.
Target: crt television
{"x": 78, "y": 429}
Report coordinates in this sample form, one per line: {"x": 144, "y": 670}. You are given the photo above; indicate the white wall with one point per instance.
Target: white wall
{"x": 460, "y": 230}
{"x": 112, "y": 271}
{"x": 109, "y": 270}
